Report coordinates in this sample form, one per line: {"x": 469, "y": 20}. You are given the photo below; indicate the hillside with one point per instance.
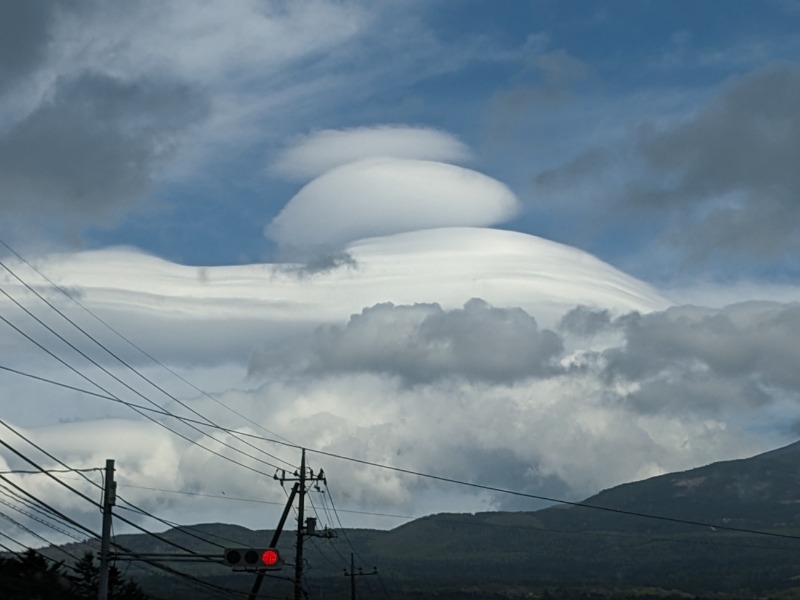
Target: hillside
{"x": 762, "y": 492}
{"x": 566, "y": 550}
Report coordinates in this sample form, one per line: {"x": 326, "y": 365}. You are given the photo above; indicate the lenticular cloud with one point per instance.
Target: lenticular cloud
{"x": 384, "y": 196}
{"x": 322, "y": 151}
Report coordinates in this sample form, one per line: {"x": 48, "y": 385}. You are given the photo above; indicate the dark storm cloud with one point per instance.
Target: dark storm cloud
{"x": 94, "y": 147}
{"x": 702, "y": 359}
{"x": 24, "y": 32}
{"x": 423, "y": 342}
{"x": 729, "y": 172}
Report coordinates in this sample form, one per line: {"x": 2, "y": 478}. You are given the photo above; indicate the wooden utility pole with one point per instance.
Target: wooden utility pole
{"x": 352, "y": 575}
{"x": 109, "y": 499}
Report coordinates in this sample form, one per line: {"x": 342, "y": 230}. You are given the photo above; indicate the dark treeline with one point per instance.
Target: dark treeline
{"x": 31, "y": 576}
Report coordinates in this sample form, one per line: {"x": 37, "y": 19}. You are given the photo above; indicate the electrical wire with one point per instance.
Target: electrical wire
{"x": 135, "y": 346}
{"x": 33, "y": 517}
{"x": 349, "y": 542}
{"x": 17, "y": 497}
{"x": 96, "y": 536}
{"x": 85, "y": 497}
{"x": 551, "y": 499}
{"x": 453, "y": 481}
{"x": 36, "y": 535}
{"x": 351, "y": 459}
{"x": 114, "y": 355}
{"x": 138, "y": 407}
{"x": 54, "y": 458}
{"x": 115, "y": 378}
{"x": 134, "y": 407}
{"x": 29, "y": 472}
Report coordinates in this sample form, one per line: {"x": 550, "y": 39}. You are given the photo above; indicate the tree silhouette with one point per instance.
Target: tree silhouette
{"x": 85, "y": 581}
{"x": 30, "y": 576}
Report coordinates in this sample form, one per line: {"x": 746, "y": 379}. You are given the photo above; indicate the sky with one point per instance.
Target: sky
{"x": 548, "y": 246}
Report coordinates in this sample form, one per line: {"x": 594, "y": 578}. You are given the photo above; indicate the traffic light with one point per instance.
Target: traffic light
{"x": 252, "y": 558}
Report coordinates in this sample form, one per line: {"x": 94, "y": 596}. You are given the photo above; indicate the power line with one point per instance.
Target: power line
{"x": 24, "y": 472}
{"x": 85, "y": 497}
{"x": 138, "y": 407}
{"x": 36, "y": 535}
{"x": 133, "y": 506}
{"x": 96, "y": 536}
{"x": 114, "y": 377}
{"x": 450, "y": 479}
{"x": 135, "y": 408}
{"x": 347, "y": 538}
{"x": 550, "y": 499}
{"x": 113, "y": 354}
{"x": 38, "y": 519}
{"x": 429, "y": 475}
{"x": 132, "y": 344}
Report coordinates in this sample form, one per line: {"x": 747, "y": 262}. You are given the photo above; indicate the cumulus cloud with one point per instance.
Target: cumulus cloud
{"x": 725, "y": 176}
{"x": 381, "y": 196}
{"x": 423, "y": 342}
{"x": 321, "y": 151}
{"x": 753, "y": 342}
{"x": 691, "y": 359}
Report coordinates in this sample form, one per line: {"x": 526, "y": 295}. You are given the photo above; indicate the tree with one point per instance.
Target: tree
{"x": 86, "y": 579}
{"x": 30, "y": 576}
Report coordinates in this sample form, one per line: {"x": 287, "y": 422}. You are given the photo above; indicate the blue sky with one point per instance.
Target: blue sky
{"x": 528, "y": 86}
{"x": 548, "y": 244}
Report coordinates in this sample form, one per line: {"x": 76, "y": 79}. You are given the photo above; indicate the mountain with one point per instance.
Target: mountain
{"x": 762, "y": 492}
{"x": 565, "y": 551}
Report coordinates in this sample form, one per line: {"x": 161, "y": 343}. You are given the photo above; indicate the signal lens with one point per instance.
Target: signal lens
{"x": 269, "y": 557}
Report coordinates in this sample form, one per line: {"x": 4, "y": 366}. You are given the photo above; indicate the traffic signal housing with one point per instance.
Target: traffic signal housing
{"x": 252, "y": 558}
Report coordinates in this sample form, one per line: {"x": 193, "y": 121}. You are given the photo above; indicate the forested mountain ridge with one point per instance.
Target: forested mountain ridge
{"x": 726, "y": 530}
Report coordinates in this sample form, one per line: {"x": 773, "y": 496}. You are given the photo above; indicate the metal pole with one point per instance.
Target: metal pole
{"x": 109, "y": 497}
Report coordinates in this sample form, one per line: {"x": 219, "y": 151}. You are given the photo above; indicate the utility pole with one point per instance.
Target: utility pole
{"x": 305, "y": 527}
{"x": 352, "y": 575}
{"x": 298, "y": 566}
{"x": 109, "y": 499}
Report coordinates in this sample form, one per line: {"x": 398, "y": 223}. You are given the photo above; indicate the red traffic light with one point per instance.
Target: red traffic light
{"x": 252, "y": 558}
{"x": 269, "y": 557}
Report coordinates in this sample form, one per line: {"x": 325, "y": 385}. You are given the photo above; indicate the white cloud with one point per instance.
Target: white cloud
{"x": 382, "y": 196}
{"x": 316, "y": 153}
